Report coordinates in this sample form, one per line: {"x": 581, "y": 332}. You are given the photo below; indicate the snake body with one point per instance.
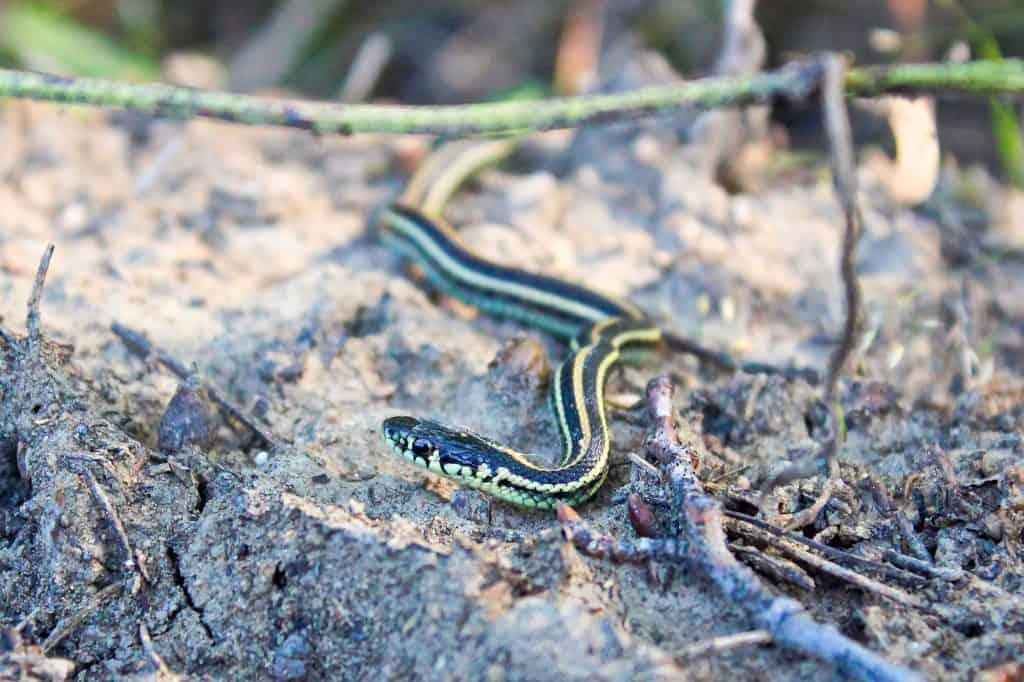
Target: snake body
{"x": 598, "y": 328}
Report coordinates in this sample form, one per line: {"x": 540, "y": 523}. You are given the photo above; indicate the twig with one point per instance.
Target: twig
{"x": 887, "y": 506}
{"x": 750, "y": 403}
{"x": 20, "y": 627}
{"x": 366, "y": 67}
{"x": 837, "y": 555}
{"x": 983, "y": 77}
{"x": 794, "y": 80}
{"x": 35, "y": 334}
{"x": 844, "y": 178}
{"x": 923, "y": 567}
{"x": 141, "y": 346}
{"x": 601, "y": 546}
{"x": 701, "y": 521}
{"x": 274, "y": 47}
{"x": 775, "y": 567}
{"x": 806, "y": 517}
{"x": 803, "y": 467}
{"x": 744, "y": 48}
{"x": 722, "y": 644}
{"x": 513, "y": 117}
{"x": 147, "y": 646}
{"x": 721, "y": 134}
{"x": 642, "y": 463}
{"x": 131, "y": 562}
{"x": 914, "y": 543}
{"x": 71, "y": 623}
{"x": 835, "y": 570}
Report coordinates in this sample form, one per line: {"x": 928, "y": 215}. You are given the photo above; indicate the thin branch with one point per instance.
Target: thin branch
{"x": 274, "y": 48}
{"x": 131, "y": 561}
{"x": 835, "y": 570}
{"x": 719, "y": 645}
{"x": 983, "y": 77}
{"x": 744, "y": 44}
{"x": 920, "y": 560}
{"x": 784, "y": 618}
{"x": 836, "y": 555}
{"x": 366, "y": 68}
{"x": 923, "y": 567}
{"x": 778, "y": 568}
{"x": 642, "y": 463}
{"x": 601, "y": 546}
{"x": 154, "y": 657}
{"x": 27, "y": 620}
{"x": 35, "y": 334}
{"x": 141, "y": 346}
{"x": 808, "y": 516}
{"x": 794, "y": 80}
{"x": 844, "y": 179}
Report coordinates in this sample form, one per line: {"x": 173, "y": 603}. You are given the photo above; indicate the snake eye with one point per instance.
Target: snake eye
{"x": 421, "y": 447}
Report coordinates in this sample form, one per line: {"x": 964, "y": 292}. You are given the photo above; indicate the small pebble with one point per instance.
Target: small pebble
{"x": 641, "y": 516}
{"x": 186, "y": 420}
{"x": 289, "y": 658}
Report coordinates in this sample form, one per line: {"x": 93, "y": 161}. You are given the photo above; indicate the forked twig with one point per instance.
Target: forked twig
{"x": 717, "y": 645}
{"x": 699, "y": 539}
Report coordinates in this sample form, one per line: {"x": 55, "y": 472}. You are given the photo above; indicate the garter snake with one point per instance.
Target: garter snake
{"x": 597, "y": 327}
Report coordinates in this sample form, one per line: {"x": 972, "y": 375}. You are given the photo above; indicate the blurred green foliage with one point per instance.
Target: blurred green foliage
{"x": 1005, "y": 124}
{"x": 37, "y": 36}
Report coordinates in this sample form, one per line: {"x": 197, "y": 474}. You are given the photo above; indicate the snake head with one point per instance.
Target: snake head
{"x": 419, "y": 440}
{"x": 397, "y": 430}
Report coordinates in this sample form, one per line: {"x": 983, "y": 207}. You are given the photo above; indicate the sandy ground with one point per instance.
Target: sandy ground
{"x": 245, "y": 252}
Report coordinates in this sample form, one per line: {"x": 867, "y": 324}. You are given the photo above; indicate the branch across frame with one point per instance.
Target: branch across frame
{"x": 796, "y": 80}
